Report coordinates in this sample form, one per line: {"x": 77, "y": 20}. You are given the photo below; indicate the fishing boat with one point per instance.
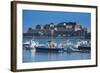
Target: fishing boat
{"x": 80, "y": 46}
{"x": 47, "y": 49}
{"x": 51, "y": 47}
{"x": 84, "y": 46}
{"x": 30, "y": 44}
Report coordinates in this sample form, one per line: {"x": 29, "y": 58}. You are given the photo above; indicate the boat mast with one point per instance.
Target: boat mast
{"x": 52, "y": 31}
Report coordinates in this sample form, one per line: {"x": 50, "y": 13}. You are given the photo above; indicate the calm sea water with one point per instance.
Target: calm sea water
{"x": 30, "y": 55}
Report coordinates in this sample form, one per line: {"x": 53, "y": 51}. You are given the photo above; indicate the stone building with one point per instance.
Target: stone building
{"x": 67, "y": 29}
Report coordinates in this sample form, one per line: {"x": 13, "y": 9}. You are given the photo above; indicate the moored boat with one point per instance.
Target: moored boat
{"x": 84, "y": 47}
{"x": 48, "y": 49}
{"x": 51, "y": 47}
{"x": 30, "y": 44}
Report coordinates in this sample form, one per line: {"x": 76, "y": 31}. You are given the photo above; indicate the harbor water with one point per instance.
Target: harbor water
{"x": 30, "y": 55}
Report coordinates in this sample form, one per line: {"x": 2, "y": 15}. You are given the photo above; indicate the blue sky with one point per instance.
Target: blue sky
{"x": 31, "y": 18}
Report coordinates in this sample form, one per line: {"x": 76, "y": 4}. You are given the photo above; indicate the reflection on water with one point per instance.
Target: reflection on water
{"x": 30, "y": 55}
